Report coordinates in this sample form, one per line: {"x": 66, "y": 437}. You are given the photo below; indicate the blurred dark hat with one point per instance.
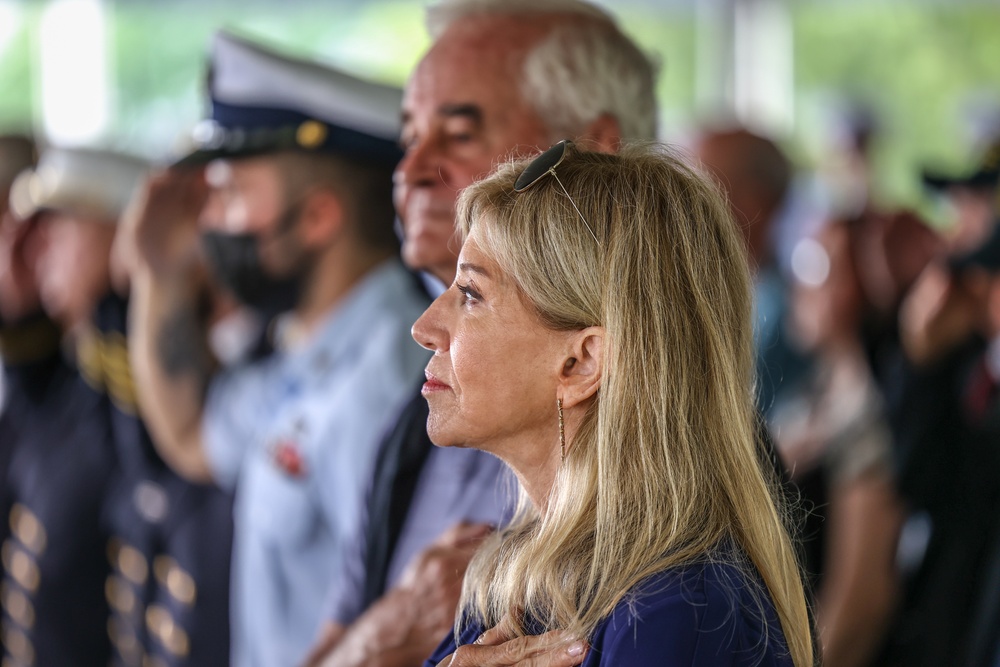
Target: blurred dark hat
{"x": 264, "y": 102}
{"x": 985, "y": 257}
{"x": 986, "y": 175}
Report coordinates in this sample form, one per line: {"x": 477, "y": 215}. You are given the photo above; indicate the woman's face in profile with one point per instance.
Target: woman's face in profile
{"x": 492, "y": 381}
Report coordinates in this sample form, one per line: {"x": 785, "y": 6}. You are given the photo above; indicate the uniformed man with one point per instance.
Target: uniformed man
{"x": 21, "y": 319}
{"x": 293, "y": 214}
{"x": 20, "y": 309}
{"x": 28, "y": 340}
{"x": 171, "y": 539}
{"x": 54, "y": 560}
{"x": 947, "y": 438}
{"x": 167, "y": 541}
{"x": 971, "y": 198}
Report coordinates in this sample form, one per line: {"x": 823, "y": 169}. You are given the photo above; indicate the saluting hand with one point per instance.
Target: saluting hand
{"x": 159, "y": 231}
{"x": 940, "y": 312}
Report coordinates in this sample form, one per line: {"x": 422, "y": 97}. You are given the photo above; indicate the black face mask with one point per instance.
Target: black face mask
{"x": 235, "y": 261}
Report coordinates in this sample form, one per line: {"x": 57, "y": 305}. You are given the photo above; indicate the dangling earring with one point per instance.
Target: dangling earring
{"x": 562, "y": 430}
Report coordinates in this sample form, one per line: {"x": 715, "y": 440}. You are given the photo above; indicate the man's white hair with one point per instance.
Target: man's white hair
{"x": 577, "y": 72}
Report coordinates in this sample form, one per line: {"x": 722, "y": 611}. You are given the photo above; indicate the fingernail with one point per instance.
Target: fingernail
{"x": 576, "y": 649}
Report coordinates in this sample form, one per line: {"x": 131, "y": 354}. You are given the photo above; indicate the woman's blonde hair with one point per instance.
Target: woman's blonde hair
{"x": 666, "y": 465}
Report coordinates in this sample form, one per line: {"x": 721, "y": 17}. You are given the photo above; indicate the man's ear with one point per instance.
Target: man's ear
{"x": 603, "y": 134}
{"x": 583, "y": 367}
{"x": 322, "y": 218}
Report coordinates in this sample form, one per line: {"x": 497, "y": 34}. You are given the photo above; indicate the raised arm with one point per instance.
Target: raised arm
{"x": 168, "y": 344}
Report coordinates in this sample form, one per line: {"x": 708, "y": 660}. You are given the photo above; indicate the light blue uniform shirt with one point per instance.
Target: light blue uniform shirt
{"x": 297, "y": 435}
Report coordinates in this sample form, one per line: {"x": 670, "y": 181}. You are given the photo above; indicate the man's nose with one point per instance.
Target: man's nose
{"x": 420, "y": 166}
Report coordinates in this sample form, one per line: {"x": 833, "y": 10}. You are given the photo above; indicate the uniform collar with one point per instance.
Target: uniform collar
{"x": 348, "y": 325}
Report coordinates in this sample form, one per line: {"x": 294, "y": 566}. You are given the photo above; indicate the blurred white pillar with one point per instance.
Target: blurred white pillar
{"x": 714, "y": 57}
{"x": 10, "y": 22}
{"x": 745, "y": 63}
{"x": 763, "y": 65}
{"x": 73, "y": 72}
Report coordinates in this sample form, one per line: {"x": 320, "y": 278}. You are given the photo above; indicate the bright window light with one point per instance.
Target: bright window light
{"x": 74, "y": 71}
{"x": 10, "y": 22}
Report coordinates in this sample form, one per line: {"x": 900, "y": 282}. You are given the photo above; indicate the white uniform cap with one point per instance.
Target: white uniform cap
{"x": 93, "y": 183}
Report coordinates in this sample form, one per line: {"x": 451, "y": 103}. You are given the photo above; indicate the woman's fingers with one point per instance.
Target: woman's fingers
{"x": 492, "y": 637}
{"x": 552, "y": 649}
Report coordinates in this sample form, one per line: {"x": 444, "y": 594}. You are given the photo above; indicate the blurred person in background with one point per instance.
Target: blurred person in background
{"x": 168, "y": 542}
{"x": 64, "y": 458}
{"x": 24, "y": 328}
{"x": 756, "y": 176}
{"x": 26, "y": 333}
{"x": 19, "y": 307}
{"x": 948, "y": 440}
{"x": 983, "y": 637}
{"x": 293, "y": 215}
{"x": 501, "y": 78}
{"x": 938, "y": 314}
{"x": 847, "y": 169}
{"x": 834, "y": 436}
{"x": 17, "y": 153}
{"x": 971, "y": 199}
{"x": 28, "y": 339}
{"x": 171, "y": 538}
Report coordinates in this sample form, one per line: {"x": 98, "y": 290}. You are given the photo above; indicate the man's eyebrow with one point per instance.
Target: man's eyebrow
{"x": 473, "y": 268}
{"x": 466, "y": 110}
{"x": 470, "y": 111}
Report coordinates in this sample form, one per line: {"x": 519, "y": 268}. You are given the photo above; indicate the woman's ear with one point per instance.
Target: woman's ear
{"x": 583, "y": 368}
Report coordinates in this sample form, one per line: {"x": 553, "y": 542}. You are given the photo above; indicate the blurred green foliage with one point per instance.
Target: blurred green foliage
{"x": 922, "y": 67}
{"x": 928, "y": 70}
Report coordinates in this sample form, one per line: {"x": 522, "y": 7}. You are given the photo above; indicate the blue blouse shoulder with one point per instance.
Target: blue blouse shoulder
{"x": 710, "y": 614}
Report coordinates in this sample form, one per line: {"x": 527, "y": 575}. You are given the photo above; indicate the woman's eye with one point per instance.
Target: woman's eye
{"x": 469, "y": 295}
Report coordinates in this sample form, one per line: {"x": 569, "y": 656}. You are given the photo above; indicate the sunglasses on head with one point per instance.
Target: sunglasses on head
{"x": 546, "y": 163}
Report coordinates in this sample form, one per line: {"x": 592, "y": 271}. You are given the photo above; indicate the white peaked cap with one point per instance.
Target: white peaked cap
{"x": 86, "y": 182}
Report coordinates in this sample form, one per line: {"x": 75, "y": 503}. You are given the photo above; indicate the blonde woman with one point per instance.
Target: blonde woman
{"x": 597, "y": 339}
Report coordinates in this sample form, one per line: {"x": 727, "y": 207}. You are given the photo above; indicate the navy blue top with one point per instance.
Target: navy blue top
{"x": 703, "y": 614}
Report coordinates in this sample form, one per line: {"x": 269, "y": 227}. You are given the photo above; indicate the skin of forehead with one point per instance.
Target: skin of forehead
{"x": 498, "y": 34}
{"x": 485, "y": 51}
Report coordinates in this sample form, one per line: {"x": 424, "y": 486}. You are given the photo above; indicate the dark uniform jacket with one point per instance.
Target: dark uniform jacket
{"x": 947, "y": 429}
{"x": 112, "y": 558}
{"x": 170, "y": 540}
{"x": 59, "y": 461}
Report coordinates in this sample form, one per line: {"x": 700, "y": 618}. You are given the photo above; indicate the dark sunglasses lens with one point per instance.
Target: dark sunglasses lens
{"x": 540, "y": 166}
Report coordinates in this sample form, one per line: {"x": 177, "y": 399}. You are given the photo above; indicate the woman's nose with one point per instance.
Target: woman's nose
{"x": 429, "y": 330}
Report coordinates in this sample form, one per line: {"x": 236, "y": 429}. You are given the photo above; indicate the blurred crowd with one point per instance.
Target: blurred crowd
{"x": 213, "y": 448}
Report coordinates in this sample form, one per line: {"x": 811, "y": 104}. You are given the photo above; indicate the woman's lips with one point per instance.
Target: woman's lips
{"x": 432, "y": 385}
